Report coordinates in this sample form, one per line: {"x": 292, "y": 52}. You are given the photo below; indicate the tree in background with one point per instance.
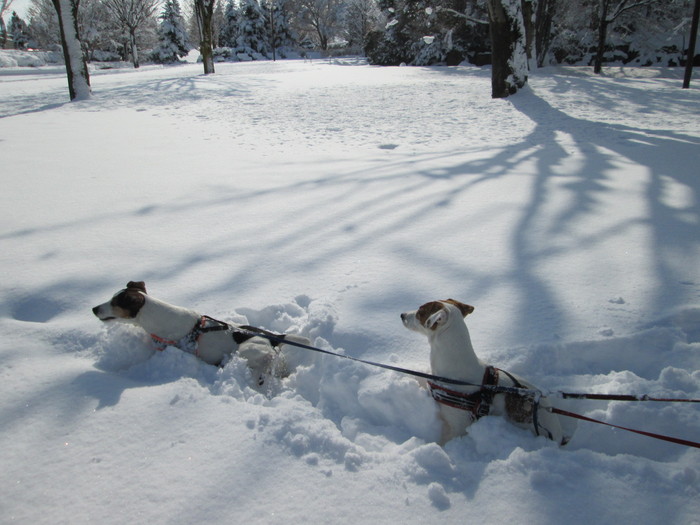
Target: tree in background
{"x": 608, "y": 12}
{"x": 362, "y": 17}
{"x": 76, "y": 66}
{"x": 280, "y": 35}
{"x": 228, "y": 32}
{"x": 4, "y": 7}
{"x": 508, "y": 47}
{"x": 43, "y": 24}
{"x": 133, "y": 14}
{"x": 690, "y": 57}
{"x": 173, "y": 42}
{"x": 204, "y": 13}
{"x": 252, "y": 27}
{"x": 319, "y": 20}
{"x": 407, "y": 22}
{"x": 18, "y": 32}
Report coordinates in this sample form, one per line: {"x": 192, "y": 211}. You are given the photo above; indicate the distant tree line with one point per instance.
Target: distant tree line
{"x": 389, "y": 32}
{"x": 426, "y": 32}
{"x": 513, "y": 35}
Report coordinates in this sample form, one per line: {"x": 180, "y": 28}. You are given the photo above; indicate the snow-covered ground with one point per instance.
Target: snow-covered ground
{"x": 326, "y": 198}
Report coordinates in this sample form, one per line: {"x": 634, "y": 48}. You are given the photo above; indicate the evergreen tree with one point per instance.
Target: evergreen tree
{"x": 173, "y": 42}
{"x": 18, "y": 32}
{"x": 228, "y": 33}
{"x": 407, "y": 23}
{"x": 252, "y": 30}
{"x": 280, "y": 34}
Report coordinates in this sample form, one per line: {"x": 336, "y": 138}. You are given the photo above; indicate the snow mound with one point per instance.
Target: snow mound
{"x": 13, "y": 58}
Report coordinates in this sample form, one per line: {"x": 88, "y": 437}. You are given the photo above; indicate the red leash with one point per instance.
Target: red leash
{"x": 649, "y": 434}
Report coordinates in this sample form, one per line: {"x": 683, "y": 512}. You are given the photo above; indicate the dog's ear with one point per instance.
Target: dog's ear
{"x": 466, "y": 309}
{"x": 136, "y": 285}
{"x": 437, "y": 319}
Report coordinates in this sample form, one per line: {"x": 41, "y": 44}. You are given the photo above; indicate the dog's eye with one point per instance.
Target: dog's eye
{"x": 129, "y": 301}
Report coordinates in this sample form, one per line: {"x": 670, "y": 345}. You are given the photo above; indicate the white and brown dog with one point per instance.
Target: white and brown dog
{"x": 206, "y": 338}
{"x": 452, "y": 356}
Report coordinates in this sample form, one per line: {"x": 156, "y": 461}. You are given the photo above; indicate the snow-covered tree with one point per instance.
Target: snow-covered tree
{"x": 101, "y": 33}
{"x": 362, "y": 17}
{"x": 280, "y": 36}
{"x": 252, "y": 27}
{"x": 173, "y": 42}
{"x": 133, "y": 14}
{"x": 508, "y": 47}
{"x": 608, "y": 12}
{"x": 76, "y": 67}
{"x": 406, "y": 23}
{"x": 43, "y": 24}
{"x": 4, "y": 7}
{"x": 18, "y": 32}
{"x": 228, "y": 32}
{"x": 323, "y": 20}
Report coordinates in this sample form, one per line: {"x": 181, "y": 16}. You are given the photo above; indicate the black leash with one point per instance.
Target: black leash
{"x": 624, "y": 397}
{"x": 279, "y": 339}
{"x": 249, "y": 331}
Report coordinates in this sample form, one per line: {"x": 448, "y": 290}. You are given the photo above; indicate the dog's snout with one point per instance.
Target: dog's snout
{"x": 403, "y": 316}
{"x": 96, "y": 311}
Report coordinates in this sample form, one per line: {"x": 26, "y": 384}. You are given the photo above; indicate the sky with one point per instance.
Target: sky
{"x": 20, "y": 6}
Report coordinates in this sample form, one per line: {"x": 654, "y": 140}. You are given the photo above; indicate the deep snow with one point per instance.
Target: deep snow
{"x": 326, "y": 198}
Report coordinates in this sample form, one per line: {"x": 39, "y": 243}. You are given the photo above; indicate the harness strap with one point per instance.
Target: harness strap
{"x": 190, "y": 342}
{"x": 245, "y": 332}
{"x": 205, "y": 324}
{"x": 477, "y": 403}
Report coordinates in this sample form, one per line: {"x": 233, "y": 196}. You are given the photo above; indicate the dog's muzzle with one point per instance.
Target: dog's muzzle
{"x": 96, "y": 311}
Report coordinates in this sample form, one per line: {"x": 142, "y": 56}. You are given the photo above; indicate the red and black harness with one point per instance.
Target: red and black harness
{"x": 478, "y": 403}
{"x": 205, "y": 324}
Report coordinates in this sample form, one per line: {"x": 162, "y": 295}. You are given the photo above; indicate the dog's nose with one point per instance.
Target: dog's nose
{"x": 96, "y": 310}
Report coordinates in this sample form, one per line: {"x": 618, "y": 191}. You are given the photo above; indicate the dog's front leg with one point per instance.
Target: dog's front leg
{"x": 454, "y": 423}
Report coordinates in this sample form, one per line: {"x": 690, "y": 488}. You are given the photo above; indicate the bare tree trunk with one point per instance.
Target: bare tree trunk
{"x": 608, "y": 13}
{"x": 76, "y": 67}
{"x": 508, "y": 47}
{"x": 4, "y": 6}
{"x": 691, "y": 46}
{"x": 204, "y": 11}
{"x": 602, "y": 36}
{"x": 543, "y": 31}
{"x": 134, "y": 48}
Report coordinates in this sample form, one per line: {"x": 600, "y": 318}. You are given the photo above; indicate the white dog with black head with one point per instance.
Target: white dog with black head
{"x": 452, "y": 356}
{"x": 208, "y": 339}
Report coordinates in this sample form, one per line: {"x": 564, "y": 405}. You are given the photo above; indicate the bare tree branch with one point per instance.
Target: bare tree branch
{"x": 462, "y": 15}
{"x": 625, "y": 6}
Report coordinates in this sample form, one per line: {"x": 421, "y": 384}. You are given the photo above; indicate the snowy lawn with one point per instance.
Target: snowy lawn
{"x": 325, "y": 199}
